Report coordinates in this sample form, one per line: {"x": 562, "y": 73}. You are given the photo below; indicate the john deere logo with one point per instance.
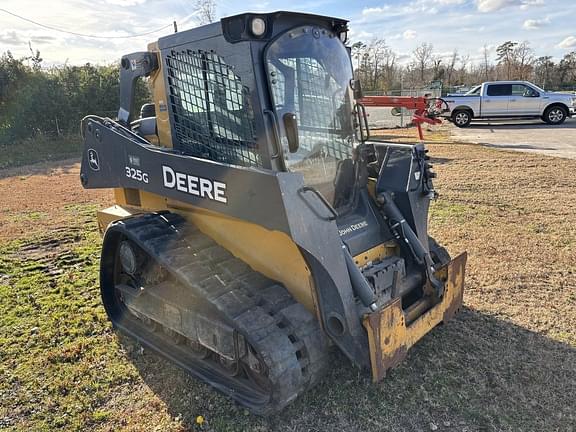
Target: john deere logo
{"x": 93, "y": 160}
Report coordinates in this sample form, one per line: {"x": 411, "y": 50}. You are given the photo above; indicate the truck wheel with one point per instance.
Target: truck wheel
{"x": 461, "y": 118}
{"x": 555, "y": 115}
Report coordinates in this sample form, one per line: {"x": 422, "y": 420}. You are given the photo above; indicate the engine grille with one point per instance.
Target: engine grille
{"x": 212, "y": 114}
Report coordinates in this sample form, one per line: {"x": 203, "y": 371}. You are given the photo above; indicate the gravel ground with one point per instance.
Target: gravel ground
{"x": 531, "y": 136}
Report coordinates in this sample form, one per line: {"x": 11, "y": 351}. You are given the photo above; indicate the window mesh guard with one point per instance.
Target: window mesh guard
{"x": 212, "y": 115}
{"x": 315, "y": 98}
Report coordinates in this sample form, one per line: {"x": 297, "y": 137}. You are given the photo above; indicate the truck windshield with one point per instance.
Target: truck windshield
{"x": 310, "y": 75}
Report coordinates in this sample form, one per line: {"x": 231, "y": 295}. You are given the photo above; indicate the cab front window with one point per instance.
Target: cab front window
{"x": 310, "y": 74}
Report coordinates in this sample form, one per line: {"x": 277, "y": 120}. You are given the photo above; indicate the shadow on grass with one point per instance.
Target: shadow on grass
{"x": 478, "y": 373}
{"x": 517, "y": 146}
{"x": 440, "y": 161}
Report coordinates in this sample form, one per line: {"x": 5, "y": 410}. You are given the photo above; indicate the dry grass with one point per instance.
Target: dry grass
{"x": 506, "y": 363}
{"x": 432, "y": 134}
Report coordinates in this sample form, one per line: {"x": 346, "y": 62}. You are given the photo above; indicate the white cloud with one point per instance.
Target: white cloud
{"x": 496, "y": 5}
{"x": 11, "y": 37}
{"x": 409, "y": 34}
{"x": 428, "y": 7}
{"x": 15, "y": 38}
{"x": 489, "y": 48}
{"x": 259, "y": 6}
{"x": 528, "y": 3}
{"x": 493, "y": 5}
{"x": 568, "y": 43}
{"x": 375, "y": 10}
{"x": 125, "y": 2}
{"x": 424, "y": 6}
{"x": 359, "y": 35}
{"x": 535, "y": 24}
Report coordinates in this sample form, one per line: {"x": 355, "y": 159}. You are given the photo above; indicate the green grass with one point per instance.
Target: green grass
{"x": 59, "y": 358}
{"x": 446, "y": 212}
{"x": 40, "y": 149}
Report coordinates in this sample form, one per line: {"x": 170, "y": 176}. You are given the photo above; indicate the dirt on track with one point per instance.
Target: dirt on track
{"x": 507, "y": 362}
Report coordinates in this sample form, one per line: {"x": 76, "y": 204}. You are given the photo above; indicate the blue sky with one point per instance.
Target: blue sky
{"x": 465, "y": 25}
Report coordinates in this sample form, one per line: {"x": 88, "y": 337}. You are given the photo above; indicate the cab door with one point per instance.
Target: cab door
{"x": 524, "y": 101}
{"x": 495, "y": 101}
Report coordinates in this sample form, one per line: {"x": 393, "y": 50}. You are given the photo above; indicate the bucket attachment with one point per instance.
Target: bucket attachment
{"x": 392, "y": 331}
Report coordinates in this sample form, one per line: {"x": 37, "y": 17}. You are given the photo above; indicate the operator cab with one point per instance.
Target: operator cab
{"x": 225, "y": 107}
{"x": 273, "y": 91}
{"x": 264, "y": 91}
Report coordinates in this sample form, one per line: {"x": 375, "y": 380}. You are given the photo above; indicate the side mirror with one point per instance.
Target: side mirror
{"x": 291, "y": 130}
{"x": 357, "y": 89}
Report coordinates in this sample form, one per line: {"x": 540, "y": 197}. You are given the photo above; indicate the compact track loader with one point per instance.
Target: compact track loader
{"x": 256, "y": 225}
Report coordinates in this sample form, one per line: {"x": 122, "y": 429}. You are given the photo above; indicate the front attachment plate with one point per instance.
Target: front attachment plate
{"x": 390, "y": 337}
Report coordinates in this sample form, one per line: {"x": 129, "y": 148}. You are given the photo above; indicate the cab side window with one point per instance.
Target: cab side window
{"x": 523, "y": 91}
{"x": 211, "y": 109}
{"x": 499, "y": 90}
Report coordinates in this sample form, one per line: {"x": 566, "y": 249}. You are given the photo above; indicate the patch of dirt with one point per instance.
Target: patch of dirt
{"x": 50, "y": 253}
{"x": 44, "y": 196}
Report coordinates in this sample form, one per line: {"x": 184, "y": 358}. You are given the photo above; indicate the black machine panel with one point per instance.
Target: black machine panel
{"x": 362, "y": 228}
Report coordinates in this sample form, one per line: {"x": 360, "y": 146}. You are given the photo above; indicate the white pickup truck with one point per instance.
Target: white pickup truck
{"x": 510, "y": 99}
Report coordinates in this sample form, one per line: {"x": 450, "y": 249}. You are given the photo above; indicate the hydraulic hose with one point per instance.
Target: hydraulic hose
{"x": 408, "y": 238}
{"x": 360, "y": 285}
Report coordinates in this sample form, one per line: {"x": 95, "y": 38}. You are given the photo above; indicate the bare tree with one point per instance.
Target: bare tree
{"x": 543, "y": 67}
{"x": 358, "y": 49}
{"x": 451, "y": 66}
{"x": 206, "y": 11}
{"x": 462, "y": 71}
{"x": 422, "y": 56}
{"x": 411, "y": 75}
{"x": 377, "y": 66}
{"x": 567, "y": 68}
{"x": 506, "y": 57}
{"x": 438, "y": 71}
{"x": 390, "y": 68}
{"x": 485, "y": 63}
{"x": 524, "y": 58}
{"x": 376, "y": 49}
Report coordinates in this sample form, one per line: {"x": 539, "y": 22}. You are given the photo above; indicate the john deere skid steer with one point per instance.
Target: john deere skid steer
{"x": 256, "y": 224}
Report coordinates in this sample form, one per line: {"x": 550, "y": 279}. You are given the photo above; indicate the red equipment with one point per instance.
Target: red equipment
{"x": 426, "y": 110}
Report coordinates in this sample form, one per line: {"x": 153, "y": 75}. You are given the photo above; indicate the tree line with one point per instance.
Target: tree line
{"x": 52, "y": 101}
{"x": 378, "y": 67}
{"x": 35, "y": 100}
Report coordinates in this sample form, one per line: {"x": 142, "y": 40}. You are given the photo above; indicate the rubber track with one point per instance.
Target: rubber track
{"x": 282, "y": 331}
